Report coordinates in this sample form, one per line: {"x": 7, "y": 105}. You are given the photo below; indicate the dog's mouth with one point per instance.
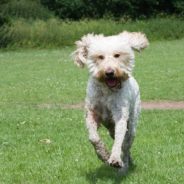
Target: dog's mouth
{"x": 112, "y": 82}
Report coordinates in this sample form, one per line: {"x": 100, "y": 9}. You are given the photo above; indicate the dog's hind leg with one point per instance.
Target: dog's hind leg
{"x": 127, "y": 143}
{"x": 130, "y": 134}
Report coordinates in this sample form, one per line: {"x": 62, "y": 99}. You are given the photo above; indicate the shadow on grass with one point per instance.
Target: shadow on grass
{"x": 105, "y": 173}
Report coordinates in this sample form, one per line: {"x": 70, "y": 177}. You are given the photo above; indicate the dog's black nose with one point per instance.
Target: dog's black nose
{"x": 109, "y": 72}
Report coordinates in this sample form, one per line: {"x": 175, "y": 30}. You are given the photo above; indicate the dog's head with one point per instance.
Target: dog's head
{"x": 109, "y": 59}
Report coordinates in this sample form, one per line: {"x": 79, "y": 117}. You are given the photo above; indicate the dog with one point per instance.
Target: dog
{"x": 113, "y": 96}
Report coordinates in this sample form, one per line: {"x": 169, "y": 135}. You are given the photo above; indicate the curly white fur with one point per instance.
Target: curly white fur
{"x": 112, "y": 101}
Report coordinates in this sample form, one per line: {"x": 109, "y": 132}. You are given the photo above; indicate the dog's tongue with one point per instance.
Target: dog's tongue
{"x": 111, "y": 82}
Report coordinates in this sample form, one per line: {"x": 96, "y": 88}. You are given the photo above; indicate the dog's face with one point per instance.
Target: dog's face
{"x": 109, "y": 59}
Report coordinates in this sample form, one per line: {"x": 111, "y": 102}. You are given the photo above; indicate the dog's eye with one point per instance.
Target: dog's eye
{"x": 116, "y": 55}
{"x": 101, "y": 57}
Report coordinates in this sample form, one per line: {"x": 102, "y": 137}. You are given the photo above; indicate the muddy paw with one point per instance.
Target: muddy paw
{"x": 115, "y": 162}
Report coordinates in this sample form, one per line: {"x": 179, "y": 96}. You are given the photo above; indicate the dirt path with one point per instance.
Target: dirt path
{"x": 163, "y": 105}
{"x": 148, "y": 105}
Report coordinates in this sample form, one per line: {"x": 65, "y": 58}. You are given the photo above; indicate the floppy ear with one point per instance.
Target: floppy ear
{"x": 137, "y": 40}
{"x": 80, "y": 54}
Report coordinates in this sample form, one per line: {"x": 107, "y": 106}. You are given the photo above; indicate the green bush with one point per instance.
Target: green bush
{"x": 28, "y": 9}
{"x": 80, "y": 9}
{"x": 77, "y": 9}
{"x": 3, "y": 20}
{"x": 55, "y": 33}
{"x": 179, "y": 6}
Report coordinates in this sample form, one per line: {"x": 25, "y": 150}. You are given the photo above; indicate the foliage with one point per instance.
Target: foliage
{"x": 3, "y": 20}
{"x": 28, "y": 9}
{"x": 179, "y": 6}
{"x": 77, "y": 9}
{"x": 30, "y": 23}
{"x": 56, "y": 33}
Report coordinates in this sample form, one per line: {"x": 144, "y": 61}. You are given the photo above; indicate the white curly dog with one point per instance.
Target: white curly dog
{"x": 113, "y": 97}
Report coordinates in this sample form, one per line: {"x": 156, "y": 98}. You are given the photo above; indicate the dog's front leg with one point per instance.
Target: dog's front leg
{"x": 120, "y": 131}
{"x": 92, "y": 126}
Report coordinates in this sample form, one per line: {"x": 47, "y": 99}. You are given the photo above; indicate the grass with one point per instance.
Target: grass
{"x": 40, "y": 77}
{"x": 157, "y": 151}
{"x": 31, "y": 78}
{"x": 159, "y": 71}
{"x": 53, "y": 33}
{"x": 49, "y": 76}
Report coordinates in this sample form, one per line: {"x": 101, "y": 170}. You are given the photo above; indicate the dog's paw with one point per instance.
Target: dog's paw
{"x": 115, "y": 162}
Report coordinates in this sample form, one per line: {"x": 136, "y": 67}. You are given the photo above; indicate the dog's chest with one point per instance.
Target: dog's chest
{"x": 102, "y": 100}
{"x": 103, "y": 108}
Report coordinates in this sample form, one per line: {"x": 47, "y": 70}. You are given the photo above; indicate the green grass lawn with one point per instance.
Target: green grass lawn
{"x": 30, "y": 78}
{"x": 157, "y": 151}
{"x": 49, "y": 76}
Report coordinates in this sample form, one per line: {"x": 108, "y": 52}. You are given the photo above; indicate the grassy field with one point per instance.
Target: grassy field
{"x": 158, "y": 149}
{"x": 29, "y": 79}
{"x": 49, "y": 76}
